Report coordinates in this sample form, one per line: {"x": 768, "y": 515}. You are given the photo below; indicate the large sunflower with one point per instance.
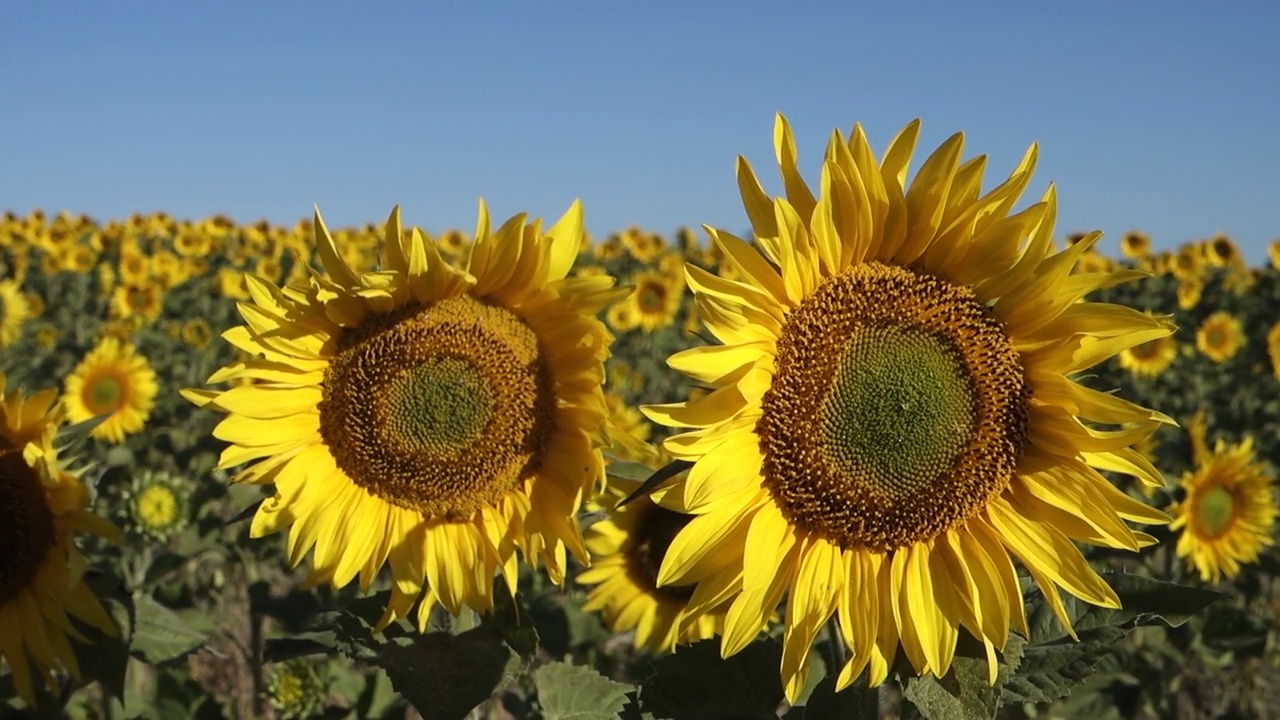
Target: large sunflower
{"x": 893, "y": 414}
{"x": 115, "y": 381}
{"x": 627, "y": 549}
{"x": 428, "y": 416}
{"x": 41, "y": 507}
{"x": 14, "y": 311}
{"x": 1228, "y": 514}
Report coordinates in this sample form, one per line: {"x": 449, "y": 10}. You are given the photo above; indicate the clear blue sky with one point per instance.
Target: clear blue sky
{"x": 1157, "y": 116}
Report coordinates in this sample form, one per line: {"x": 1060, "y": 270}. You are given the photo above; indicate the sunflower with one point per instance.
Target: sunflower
{"x": 1220, "y": 336}
{"x": 627, "y": 548}
{"x": 1150, "y": 358}
{"x": 1273, "y": 252}
{"x": 41, "y": 507}
{"x": 656, "y": 299}
{"x": 453, "y": 243}
{"x": 423, "y": 415}
{"x": 1273, "y": 349}
{"x": 1135, "y": 245}
{"x": 1188, "y": 263}
{"x": 143, "y": 301}
{"x": 1229, "y": 511}
{"x": 643, "y": 246}
{"x": 1221, "y": 251}
{"x": 1190, "y": 289}
{"x": 14, "y": 311}
{"x": 892, "y": 414}
{"x": 623, "y": 316}
{"x": 157, "y": 504}
{"x": 196, "y": 333}
{"x": 116, "y": 381}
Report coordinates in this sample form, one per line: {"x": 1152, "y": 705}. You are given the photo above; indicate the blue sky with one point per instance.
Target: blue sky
{"x": 1156, "y": 116}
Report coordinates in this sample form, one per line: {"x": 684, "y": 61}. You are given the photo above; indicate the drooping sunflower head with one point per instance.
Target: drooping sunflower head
{"x": 42, "y": 506}
{"x": 1220, "y": 336}
{"x": 1135, "y": 245}
{"x": 434, "y": 417}
{"x": 893, "y": 412}
{"x": 656, "y": 299}
{"x": 627, "y": 549}
{"x": 1227, "y": 516}
{"x": 112, "y": 380}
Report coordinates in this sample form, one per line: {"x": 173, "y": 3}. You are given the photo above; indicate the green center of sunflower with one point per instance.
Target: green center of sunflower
{"x": 900, "y": 409}
{"x": 1215, "y": 509}
{"x": 897, "y": 409}
{"x": 27, "y": 530}
{"x": 650, "y": 540}
{"x": 103, "y": 394}
{"x": 441, "y": 406}
{"x": 440, "y": 409}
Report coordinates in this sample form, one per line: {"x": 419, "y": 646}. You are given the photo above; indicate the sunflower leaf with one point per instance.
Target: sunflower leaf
{"x": 696, "y": 684}
{"x": 160, "y": 634}
{"x": 963, "y": 694}
{"x": 1143, "y": 601}
{"x": 656, "y": 480}
{"x": 463, "y": 670}
{"x": 575, "y": 692}
{"x": 856, "y": 702}
{"x": 1050, "y": 671}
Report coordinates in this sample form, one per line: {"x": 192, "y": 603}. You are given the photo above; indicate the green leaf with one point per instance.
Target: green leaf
{"x": 856, "y": 702}
{"x": 105, "y": 658}
{"x": 1143, "y": 601}
{"x": 1050, "y": 671}
{"x": 696, "y": 684}
{"x": 159, "y": 634}
{"x": 962, "y": 694}
{"x": 445, "y": 676}
{"x": 574, "y": 692}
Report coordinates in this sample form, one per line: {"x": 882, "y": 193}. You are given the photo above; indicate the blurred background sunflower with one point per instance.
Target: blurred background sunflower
{"x": 115, "y": 381}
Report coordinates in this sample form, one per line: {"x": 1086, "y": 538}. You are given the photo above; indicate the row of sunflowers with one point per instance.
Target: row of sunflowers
{"x": 850, "y": 461}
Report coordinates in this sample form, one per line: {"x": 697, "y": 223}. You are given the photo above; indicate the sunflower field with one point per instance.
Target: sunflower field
{"x": 899, "y": 450}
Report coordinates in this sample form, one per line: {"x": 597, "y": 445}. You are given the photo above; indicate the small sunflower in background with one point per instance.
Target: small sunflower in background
{"x": 453, "y": 243}
{"x": 1273, "y": 253}
{"x": 144, "y": 301}
{"x": 196, "y": 333}
{"x": 158, "y": 505}
{"x": 42, "y": 508}
{"x": 627, "y": 548}
{"x": 893, "y": 417}
{"x": 1135, "y": 245}
{"x": 1150, "y": 358}
{"x": 656, "y": 299}
{"x": 1189, "y": 292}
{"x": 46, "y": 336}
{"x": 645, "y": 247}
{"x": 1221, "y": 251}
{"x": 14, "y": 312}
{"x": 112, "y": 380}
{"x": 435, "y": 418}
{"x": 623, "y": 316}
{"x": 1273, "y": 349}
{"x": 1188, "y": 263}
{"x": 297, "y": 689}
{"x": 1228, "y": 514}
{"x": 1220, "y": 336}
{"x": 135, "y": 268}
